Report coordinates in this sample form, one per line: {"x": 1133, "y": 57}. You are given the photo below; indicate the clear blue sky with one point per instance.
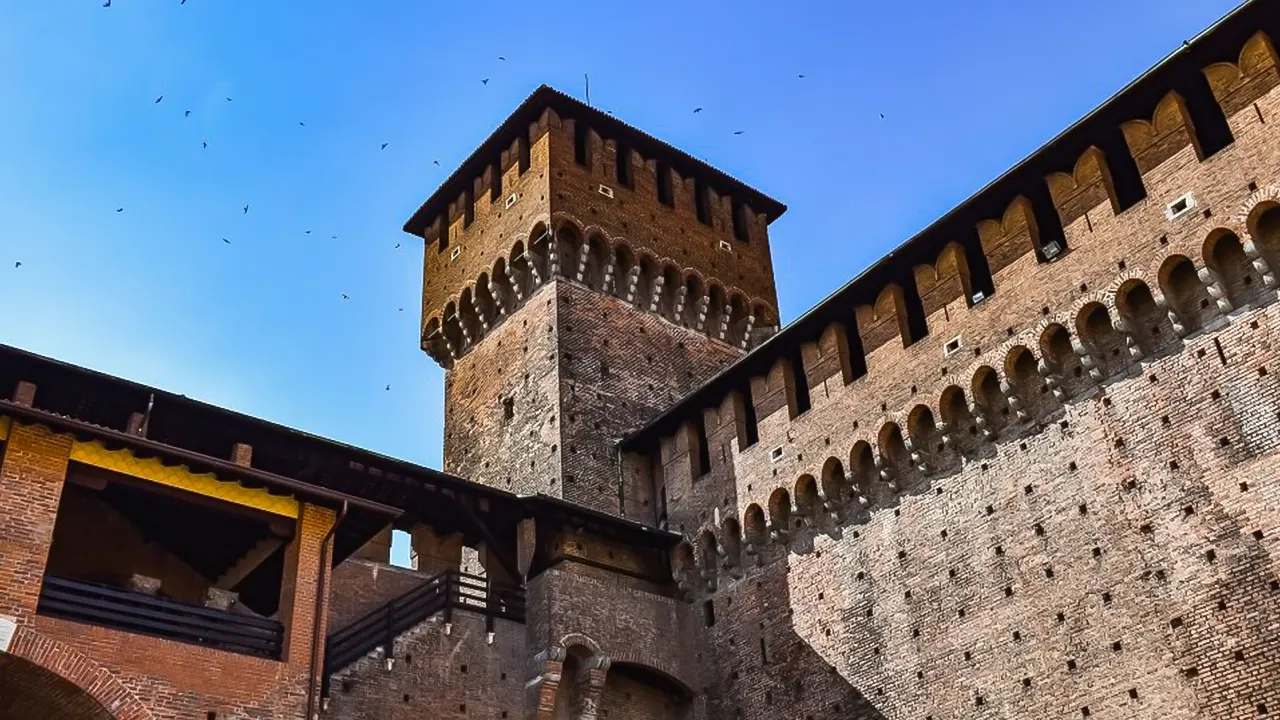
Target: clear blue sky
{"x": 154, "y": 294}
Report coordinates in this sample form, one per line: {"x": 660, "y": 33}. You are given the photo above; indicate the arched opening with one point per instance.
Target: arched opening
{"x": 694, "y": 294}
{"x": 683, "y": 567}
{"x": 1146, "y": 320}
{"x": 500, "y": 287}
{"x": 666, "y": 306}
{"x": 807, "y": 501}
{"x": 519, "y": 269}
{"x": 731, "y": 537}
{"x": 737, "y": 320}
{"x": 452, "y": 327}
{"x": 623, "y": 261}
{"x": 486, "y": 306}
{"x": 834, "y": 484}
{"x": 568, "y": 247}
{"x": 1224, "y": 254}
{"x": 1264, "y": 226}
{"x": 633, "y": 690}
{"x": 644, "y": 283}
{"x": 893, "y": 453}
{"x": 755, "y": 527}
{"x": 988, "y": 397}
{"x": 961, "y": 429}
{"x": 31, "y": 692}
{"x": 1061, "y": 361}
{"x": 866, "y": 477}
{"x": 716, "y": 311}
{"x": 926, "y": 441}
{"x": 596, "y": 260}
{"x": 1186, "y": 295}
{"x": 1106, "y": 346}
{"x": 1033, "y": 393}
{"x": 467, "y": 316}
{"x": 708, "y": 554}
{"x": 433, "y": 341}
{"x": 780, "y": 510}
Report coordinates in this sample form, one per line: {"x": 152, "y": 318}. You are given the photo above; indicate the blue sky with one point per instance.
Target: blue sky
{"x": 153, "y": 293}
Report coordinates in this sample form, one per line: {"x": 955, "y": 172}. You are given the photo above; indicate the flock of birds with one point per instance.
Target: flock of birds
{"x": 204, "y": 144}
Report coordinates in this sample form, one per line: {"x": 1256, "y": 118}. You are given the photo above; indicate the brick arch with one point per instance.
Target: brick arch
{"x": 653, "y": 665}
{"x": 585, "y": 641}
{"x": 1259, "y": 202}
{"x": 80, "y": 670}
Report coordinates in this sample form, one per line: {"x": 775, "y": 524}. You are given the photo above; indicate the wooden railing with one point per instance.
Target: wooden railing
{"x": 441, "y": 593}
{"x": 112, "y": 607}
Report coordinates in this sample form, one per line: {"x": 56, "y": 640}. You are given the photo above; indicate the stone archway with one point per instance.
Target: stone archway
{"x": 30, "y": 692}
{"x": 42, "y": 678}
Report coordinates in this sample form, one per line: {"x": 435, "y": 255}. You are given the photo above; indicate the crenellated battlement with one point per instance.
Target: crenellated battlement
{"x": 943, "y": 287}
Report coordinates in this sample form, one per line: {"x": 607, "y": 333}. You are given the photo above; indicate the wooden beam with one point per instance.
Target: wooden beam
{"x": 257, "y": 555}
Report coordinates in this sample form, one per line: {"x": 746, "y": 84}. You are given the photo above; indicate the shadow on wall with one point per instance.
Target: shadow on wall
{"x": 772, "y": 671}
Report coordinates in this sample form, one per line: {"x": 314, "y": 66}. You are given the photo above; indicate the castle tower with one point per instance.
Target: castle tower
{"x": 580, "y": 276}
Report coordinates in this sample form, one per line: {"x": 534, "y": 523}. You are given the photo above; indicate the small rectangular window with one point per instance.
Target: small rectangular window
{"x": 704, "y": 449}
{"x": 1180, "y": 206}
{"x": 740, "y": 229}
{"x": 701, "y": 202}
{"x": 623, "y": 166}
{"x": 666, "y": 193}
{"x": 581, "y": 154}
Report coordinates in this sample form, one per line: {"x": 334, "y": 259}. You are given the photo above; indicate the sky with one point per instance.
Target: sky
{"x": 140, "y": 260}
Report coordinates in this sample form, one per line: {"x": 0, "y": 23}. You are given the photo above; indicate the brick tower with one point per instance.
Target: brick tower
{"x": 580, "y": 276}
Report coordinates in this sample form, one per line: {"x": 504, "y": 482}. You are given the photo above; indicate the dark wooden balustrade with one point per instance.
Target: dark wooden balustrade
{"x": 133, "y": 612}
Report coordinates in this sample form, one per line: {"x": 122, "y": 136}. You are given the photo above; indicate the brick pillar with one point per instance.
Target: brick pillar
{"x": 31, "y": 477}
{"x": 541, "y": 691}
{"x": 589, "y": 687}
{"x": 298, "y": 586}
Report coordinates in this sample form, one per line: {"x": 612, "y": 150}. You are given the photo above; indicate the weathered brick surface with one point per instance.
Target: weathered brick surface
{"x": 1086, "y": 532}
{"x": 458, "y": 674}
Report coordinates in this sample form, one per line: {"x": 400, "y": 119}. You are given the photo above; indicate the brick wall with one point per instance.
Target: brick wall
{"x": 438, "y": 674}
{"x": 1053, "y": 503}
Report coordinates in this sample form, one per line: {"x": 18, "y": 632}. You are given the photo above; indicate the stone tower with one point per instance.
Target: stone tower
{"x": 579, "y": 277}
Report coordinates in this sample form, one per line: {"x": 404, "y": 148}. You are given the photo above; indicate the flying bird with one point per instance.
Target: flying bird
{"x": 204, "y": 144}
{"x": 228, "y": 99}
{"x": 881, "y": 116}
{"x": 186, "y": 114}
{"x": 119, "y": 210}
{"x": 436, "y": 163}
{"x": 302, "y": 124}
{"x": 226, "y": 241}
{"x": 401, "y": 309}
{"x": 107, "y": 3}
{"x": 738, "y": 132}
{"x": 335, "y": 237}
{"x": 246, "y": 209}
{"x": 697, "y": 110}
{"x": 19, "y": 264}
{"x": 397, "y": 246}
{"x": 159, "y": 99}
{"x": 502, "y": 58}
{"x": 384, "y": 145}
{"x": 388, "y": 387}
{"x": 801, "y": 76}
{"x": 346, "y": 296}
{"x": 307, "y": 232}
{"x": 485, "y": 81}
